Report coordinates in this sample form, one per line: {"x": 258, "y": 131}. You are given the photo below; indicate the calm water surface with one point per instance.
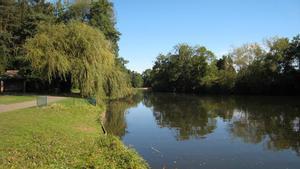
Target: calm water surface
{"x": 188, "y": 131}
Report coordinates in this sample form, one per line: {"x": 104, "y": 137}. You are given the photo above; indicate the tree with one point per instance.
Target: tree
{"x": 6, "y": 42}
{"x": 136, "y": 79}
{"x": 81, "y": 52}
{"x": 77, "y": 11}
{"x": 18, "y": 22}
{"x": 226, "y": 74}
{"x": 273, "y": 72}
{"x": 291, "y": 61}
{"x": 8, "y": 17}
{"x": 102, "y": 17}
{"x": 189, "y": 69}
{"x": 249, "y": 69}
{"x": 99, "y": 14}
{"x": 9, "y": 21}
{"x": 277, "y": 54}
{"x": 146, "y": 75}
{"x": 243, "y": 56}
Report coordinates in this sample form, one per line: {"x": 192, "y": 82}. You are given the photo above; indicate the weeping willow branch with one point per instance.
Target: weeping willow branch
{"x": 80, "y": 51}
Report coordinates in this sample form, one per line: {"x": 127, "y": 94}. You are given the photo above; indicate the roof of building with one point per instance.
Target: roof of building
{"x": 11, "y": 74}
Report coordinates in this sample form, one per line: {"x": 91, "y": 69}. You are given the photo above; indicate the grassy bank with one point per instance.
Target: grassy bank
{"x": 62, "y": 135}
{"x": 7, "y": 99}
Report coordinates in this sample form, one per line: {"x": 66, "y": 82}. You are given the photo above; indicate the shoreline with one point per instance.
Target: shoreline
{"x": 72, "y": 130}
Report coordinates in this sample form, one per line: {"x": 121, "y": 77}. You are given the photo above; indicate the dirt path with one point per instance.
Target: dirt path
{"x": 27, "y": 104}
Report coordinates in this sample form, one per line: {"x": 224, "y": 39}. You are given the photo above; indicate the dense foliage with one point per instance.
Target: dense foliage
{"x": 99, "y": 14}
{"x": 249, "y": 69}
{"x": 190, "y": 69}
{"x": 81, "y": 52}
{"x": 136, "y": 79}
{"x": 2, "y": 65}
{"x": 18, "y": 21}
{"x": 54, "y": 42}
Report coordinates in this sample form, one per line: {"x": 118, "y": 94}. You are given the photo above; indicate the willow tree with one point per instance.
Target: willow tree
{"x": 80, "y": 51}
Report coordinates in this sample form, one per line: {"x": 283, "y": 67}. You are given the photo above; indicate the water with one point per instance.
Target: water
{"x": 212, "y": 132}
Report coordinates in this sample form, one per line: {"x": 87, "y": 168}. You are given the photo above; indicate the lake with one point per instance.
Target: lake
{"x": 211, "y": 132}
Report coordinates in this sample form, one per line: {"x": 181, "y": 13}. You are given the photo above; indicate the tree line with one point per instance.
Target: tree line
{"x": 64, "y": 45}
{"x": 273, "y": 68}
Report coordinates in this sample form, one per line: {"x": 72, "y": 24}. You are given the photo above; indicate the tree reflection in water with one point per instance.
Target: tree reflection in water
{"x": 273, "y": 121}
{"x": 115, "y": 122}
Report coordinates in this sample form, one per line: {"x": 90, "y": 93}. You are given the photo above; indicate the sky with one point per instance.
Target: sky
{"x": 151, "y": 27}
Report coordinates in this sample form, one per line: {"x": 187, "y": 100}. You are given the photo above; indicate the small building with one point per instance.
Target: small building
{"x": 12, "y": 81}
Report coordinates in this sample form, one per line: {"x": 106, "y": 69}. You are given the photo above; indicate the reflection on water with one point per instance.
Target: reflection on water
{"x": 115, "y": 122}
{"x": 241, "y": 132}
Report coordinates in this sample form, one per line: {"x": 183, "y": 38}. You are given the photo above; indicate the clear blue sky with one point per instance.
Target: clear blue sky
{"x": 150, "y": 27}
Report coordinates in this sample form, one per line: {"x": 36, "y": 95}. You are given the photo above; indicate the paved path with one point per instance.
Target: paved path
{"x": 27, "y": 104}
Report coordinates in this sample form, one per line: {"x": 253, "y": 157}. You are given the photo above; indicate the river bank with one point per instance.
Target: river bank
{"x": 63, "y": 135}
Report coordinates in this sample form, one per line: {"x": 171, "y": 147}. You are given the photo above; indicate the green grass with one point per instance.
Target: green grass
{"x": 8, "y": 99}
{"x": 63, "y": 135}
